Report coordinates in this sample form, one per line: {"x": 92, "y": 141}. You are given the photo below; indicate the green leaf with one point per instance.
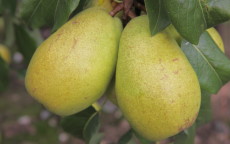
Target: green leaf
{"x": 142, "y": 139}
{"x": 3, "y": 75}
{"x": 83, "y": 4}
{"x": 91, "y": 127}
{"x": 38, "y": 13}
{"x": 158, "y": 18}
{"x": 9, "y": 30}
{"x": 186, "y": 137}
{"x": 63, "y": 10}
{"x": 25, "y": 42}
{"x": 126, "y": 138}
{"x": 209, "y": 62}
{"x": 205, "y": 109}
{"x": 75, "y": 124}
{"x": 96, "y": 138}
{"x": 216, "y": 12}
{"x": 8, "y": 5}
{"x": 187, "y": 17}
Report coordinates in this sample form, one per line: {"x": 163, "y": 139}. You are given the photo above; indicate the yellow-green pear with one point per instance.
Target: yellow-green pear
{"x": 73, "y": 67}
{"x": 4, "y": 53}
{"x": 216, "y": 37}
{"x": 173, "y": 32}
{"x": 157, "y": 89}
{"x": 110, "y": 92}
{"x": 104, "y": 4}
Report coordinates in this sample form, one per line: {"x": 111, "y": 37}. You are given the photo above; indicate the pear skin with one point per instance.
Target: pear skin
{"x": 173, "y": 32}
{"x": 103, "y": 4}
{"x": 216, "y": 37}
{"x": 157, "y": 89}
{"x": 73, "y": 67}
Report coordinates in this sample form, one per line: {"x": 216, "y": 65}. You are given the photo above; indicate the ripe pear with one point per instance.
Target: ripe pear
{"x": 73, "y": 67}
{"x": 216, "y": 37}
{"x": 110, "y": 92}
{"x": 173, "y": 32}
{"x": 104, "y": 4}
{"x": 212, "y": 32}
{"x": 4, "y": 53}
{"x": 157, "y": 89}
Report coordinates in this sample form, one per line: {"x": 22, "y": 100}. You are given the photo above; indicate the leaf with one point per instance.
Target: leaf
{"x": 25, "y": 42}
{"x": 210, "y": 64}
{"x": 126, "y": 138}
{"x": 205, "y": 109}
{"x": 91, "y": 127}
{"x": 158, "y": 19}
{"x": 83, "y": 4}
{"x": 9, "y": 30}
{"x": 3, "y": 75}
{"x": 187, "y": 17}
{"x": 38, "y": 13}
{"x": 96, "y": 139}
{"x": 8, "y": 5}
{"x": 63, "y": 10}
{"x": 75, "y": 124}
{"x": 187, "y": 136}
{"x": 142, "y": 139}
{"x": 216, "y": 12}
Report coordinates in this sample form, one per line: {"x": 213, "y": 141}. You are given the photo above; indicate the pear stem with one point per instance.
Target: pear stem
{"x": 126, "y": 6}
{"x": 117, "y": 9}
{"x": 139, "y": 6}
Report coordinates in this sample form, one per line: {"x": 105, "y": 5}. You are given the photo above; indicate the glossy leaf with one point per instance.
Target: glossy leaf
{"x": 209, "y": 62}
{"x": 187, "y": 136}
{"x": 25, "y": 42}
{"x": 188, "y": 18}
{"x": 205, "y": 109}
{"x": 126, "y": 138}
{"x": 3, "y": 75}
{"x": 38, "y": 13}
{"x": 91, "y": 127}
{"x": 216, "y": 12}
{"x": 158, "y": 19}
{"x": 74, "y": 124}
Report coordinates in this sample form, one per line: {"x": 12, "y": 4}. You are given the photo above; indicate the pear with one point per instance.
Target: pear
{"x": 110, "y": 92}
{"x": 157, "y": 89}
{"x": 216, "y": 37}
{"x": 173, "y": 32}
{"x": 4, "y": 53}
{"x": 73, "y": 67}
{"x": 211, "y": 31}
{"x": 104, "y": 4}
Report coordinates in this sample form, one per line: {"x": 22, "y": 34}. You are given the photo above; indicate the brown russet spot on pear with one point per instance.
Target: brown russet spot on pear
{"x": 157, "y": 89}
{"x": 72, "y": 68}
